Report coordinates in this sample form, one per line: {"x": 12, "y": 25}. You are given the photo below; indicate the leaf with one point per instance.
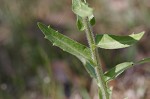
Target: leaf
{"x": 80, "y": 24}
{"x": 108, "y": 41}
{"x": 81, "y": 9}
{"x": 145, "y": 60}
{"x": 117, "y": 70}
{"x": 80, "y": 51}
{"x": 92, "y": 20}
{"x": 90, "y": 69}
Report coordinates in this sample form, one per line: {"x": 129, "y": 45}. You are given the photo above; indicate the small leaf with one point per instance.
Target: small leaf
{"x": 145, "y": 60}
{"x": 80, "y": 51}
{"x": 92, "y": 20}
{"x": 117, "y": 70}
{"x": 80, "y": 24}
{"x": 81, "y": 9}
{"x": 108, "y": 41}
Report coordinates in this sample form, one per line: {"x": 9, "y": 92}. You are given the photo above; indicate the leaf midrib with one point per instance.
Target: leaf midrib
{"x": 117, "y": 41}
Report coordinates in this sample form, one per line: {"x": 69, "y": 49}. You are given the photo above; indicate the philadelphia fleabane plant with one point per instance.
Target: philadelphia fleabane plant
{"x": 89, "y": 55}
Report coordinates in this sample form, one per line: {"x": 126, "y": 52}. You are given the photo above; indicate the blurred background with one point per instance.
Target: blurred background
{"x": 31, "y": 68}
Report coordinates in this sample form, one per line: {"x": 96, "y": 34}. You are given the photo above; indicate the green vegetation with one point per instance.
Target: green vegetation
{"x": 89, "y": 55}
{"x": 32, "y": 68}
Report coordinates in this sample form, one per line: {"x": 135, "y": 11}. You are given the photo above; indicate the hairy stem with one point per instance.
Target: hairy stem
{"x": 97, "y": 66}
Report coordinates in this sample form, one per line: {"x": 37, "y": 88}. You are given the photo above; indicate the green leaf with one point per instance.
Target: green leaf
{"x": 81, "y": 9}
{"x": 145, "y": 60}
{"x": 65, "y": 43}
{"x": 80, "y": 24}
{"x": 117, "y": 70}
{"x": 80, "y": 51}
{"x": 108, "y": 41}
{"x": 92, "y": 20}
{"x": 90, "y": 69}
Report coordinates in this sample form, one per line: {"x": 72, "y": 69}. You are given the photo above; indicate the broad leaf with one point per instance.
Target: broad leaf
{"x": 80, "y": 51}
{"x": 108, "y": 41}
{"x": 117, "y": 70}
{"x": 81, "y": 9}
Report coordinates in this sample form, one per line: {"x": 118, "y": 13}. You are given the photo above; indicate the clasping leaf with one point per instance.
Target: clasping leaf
{"x": 81, "y": 9}
{"x": 80, "y": 23}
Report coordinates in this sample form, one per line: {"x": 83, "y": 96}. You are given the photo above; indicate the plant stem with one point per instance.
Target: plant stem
{"x": 97, "y": 66}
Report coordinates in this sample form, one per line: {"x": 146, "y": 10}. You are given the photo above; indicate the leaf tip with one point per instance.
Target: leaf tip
{"x": 43, "y": 28}
{"x": 142, "y": 33}
{"x": 39, "y": 24}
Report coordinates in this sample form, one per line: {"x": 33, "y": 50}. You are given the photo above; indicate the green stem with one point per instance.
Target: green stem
{"x": 97, "y": 66}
